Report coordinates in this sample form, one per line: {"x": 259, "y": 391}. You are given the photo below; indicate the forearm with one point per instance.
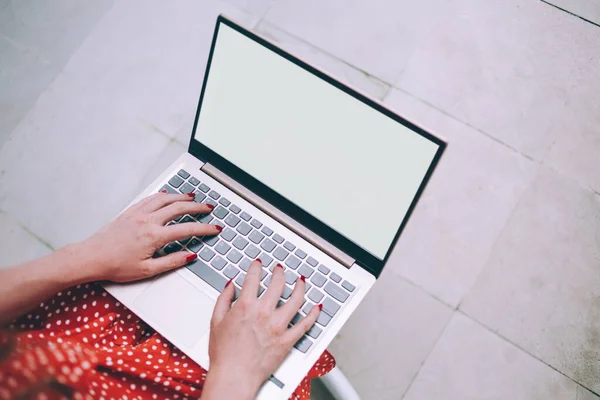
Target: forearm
{"x": 24, "y": 286}
{"x": 227, "y": 385}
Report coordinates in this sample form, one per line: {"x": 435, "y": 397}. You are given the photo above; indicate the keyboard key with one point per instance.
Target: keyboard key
{"x": 172, "y": 247}
{"x": 220, "y": 212}
{"x": 256, "y": 237}
{"x": 211, "y": 202}
{"x": 205, "y": 219}
{"x": 301, "y": 254}
{"x": 228, "y": 234}
{"x": 277, "y": 382}
{"x": 183, "y": 173}
{"x": 268, "y": 245}
{"x": 187, "y": 218}
{"x": 278, "y": 238}
{"x": 240, "y": 243}
{"x": 267, "y": 231}
{"x": 208, "y": 275}
{"x": 307, "y": 287}
{"x": 234, "y": 256}
{"x": 292, "y": 262}
{"x": 289, "y": 246}
{"x": 263, "y": 273}
{"x": 306, "y": 271}
{"x": 297, "y": 318}
{"x": 206, "y": 254}
{"x": 218, "y": 263}
{"x": 232, "y": 220}
{"x": 261, "y": 290}
{"x": 245, "y": 264}
{"x": 214, "y": 194}
{"x": 266, "y": 259}
{"x": 252, "y": 251}
{"x": 204, "y": 188}
{"x": 244, "y": 228}
{"x": 314, "y": 332}
{"x": 330, "y": 306}
{"x": 185, "y": 241}
{"x": 224, "y": 201}
{"x": 318, "y": 280}
{"x": 222, "y": 248}
{"x": 336, "y": 292}
{"x": 307, "y": 307}
{"x": 323, "y": 269}
{"x": 303, "y": 344}
{"x": 186, "y": 188}
{"x": 194, "y": 245}
{"x": 256, "y": 223}
{"x": 335, "y": 277}
{"x": 323, "y": 318}
{"x": 290, "y": 277}
{"x": 199, "y": 197}
{"x": 348, "y": 286}
{"x": 315, "y": 295}
{"x": 235, "y": 209}
{"x": 231, "y": 271}
{"x": 286, "y": 293}
{"x": 240, "y": 279}
{"x": 194, "y": 181}
{"x": 245, "y": 216}
{"x": 175, "y": 181}
{"x": 210, "y": 240}
{"x": 280, "y": 253}
{"x": 312, "y": 261}
{"x": 267, "y": 281}
{"x": 168, "y": 188}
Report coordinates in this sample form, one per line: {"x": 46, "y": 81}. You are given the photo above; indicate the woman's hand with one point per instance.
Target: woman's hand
{"x": 249, "y": 340}
{"x": 122, "y": 251}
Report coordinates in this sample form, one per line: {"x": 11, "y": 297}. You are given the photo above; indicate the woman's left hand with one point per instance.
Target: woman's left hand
{"x": 122, "y": 251}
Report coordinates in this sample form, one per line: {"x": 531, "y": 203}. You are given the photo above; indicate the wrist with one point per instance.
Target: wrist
{"x": 78, "y": 266}
{"x": 229, "y": 384}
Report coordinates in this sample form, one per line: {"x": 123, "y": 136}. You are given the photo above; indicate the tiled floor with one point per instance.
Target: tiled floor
{"x": 493, "y": 290}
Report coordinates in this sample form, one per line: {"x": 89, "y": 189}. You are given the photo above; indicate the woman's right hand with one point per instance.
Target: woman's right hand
{"x": 249, "y": 340}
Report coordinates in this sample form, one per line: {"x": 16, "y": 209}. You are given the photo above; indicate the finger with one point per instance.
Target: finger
{"x": 291, "y": 307}
{"x": 297, "y": 331}
{"x": 146, "y": 200}
{"x": 252, "y": 280}
{"x": 275, "y": 288}
{"x": 179, "y": 208}
{"x": 223, "y": 303}
{"x": 159, "y": 200}
{"x": 154, "y": 266}
{"x": 187, "y": 229}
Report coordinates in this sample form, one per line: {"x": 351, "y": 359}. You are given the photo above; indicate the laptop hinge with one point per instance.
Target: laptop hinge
{"x": 278, "y": 215}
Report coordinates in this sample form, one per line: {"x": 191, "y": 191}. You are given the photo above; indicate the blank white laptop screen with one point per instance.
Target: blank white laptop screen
{"x": 348, "y": 165}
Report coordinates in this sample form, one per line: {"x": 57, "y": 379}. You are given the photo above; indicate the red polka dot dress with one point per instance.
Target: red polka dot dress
{"x": 84, "y": 344}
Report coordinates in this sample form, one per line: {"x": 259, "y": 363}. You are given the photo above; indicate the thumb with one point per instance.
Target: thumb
{"x": 223, "y": 304}
{"x": 170, "y": 261}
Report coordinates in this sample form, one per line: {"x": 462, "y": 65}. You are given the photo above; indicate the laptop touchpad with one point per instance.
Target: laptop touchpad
{"x": 176, "y": 308}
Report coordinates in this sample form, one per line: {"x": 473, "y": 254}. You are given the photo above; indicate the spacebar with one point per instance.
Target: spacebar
{"x": 208, "y": 275}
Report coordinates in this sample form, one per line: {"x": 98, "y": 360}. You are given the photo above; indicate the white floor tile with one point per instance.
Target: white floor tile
{"x": 463, "y": 209}
{"x": 74, "y": 163}
{"x": 382, "y": 346}
{"x": 16, "y": 244}
{"x": 584, "y": 394}
{"x": 515, "y": 69}
{"x": 149, "y": 58}
{"x": 586, "y": 9}
{"x": 257, "y": 8}
{"x": 471, "y": 363}
{"x": 540, "y": 287}
{"x": 376, "y": 36}
{"x": 170, "y": 153}
{"x": 338, "y": 69}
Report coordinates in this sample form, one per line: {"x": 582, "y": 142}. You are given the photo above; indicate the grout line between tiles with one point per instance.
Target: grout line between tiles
{"x": 461, "y": 311}
{"x": 570, "y": 13}
{"x": 26, "y": 229}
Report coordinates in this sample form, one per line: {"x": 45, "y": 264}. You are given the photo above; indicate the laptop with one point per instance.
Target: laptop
{"x": 302, "y": 171}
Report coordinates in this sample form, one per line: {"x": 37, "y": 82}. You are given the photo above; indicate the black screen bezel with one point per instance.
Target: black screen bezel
{"x": 363, "y": 258}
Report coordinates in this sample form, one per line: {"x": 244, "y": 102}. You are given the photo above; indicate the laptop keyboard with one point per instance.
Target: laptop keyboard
{"x": 245, "y": 238}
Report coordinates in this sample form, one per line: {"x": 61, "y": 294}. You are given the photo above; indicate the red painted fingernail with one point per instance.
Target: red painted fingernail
{"x": 191, "y": 194}
{"x": 219, "y": 228}
{"x": 280, "y": 266}
{"x": 228, "y": 282}
{"x": 210, "y": 206}
{"x": 164, "y": 191}
{"x": 302, "y": 278}
{"x": 320, "y": 306}
{"x": 259, "y": 260}
{"x": 191, "y": 257}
